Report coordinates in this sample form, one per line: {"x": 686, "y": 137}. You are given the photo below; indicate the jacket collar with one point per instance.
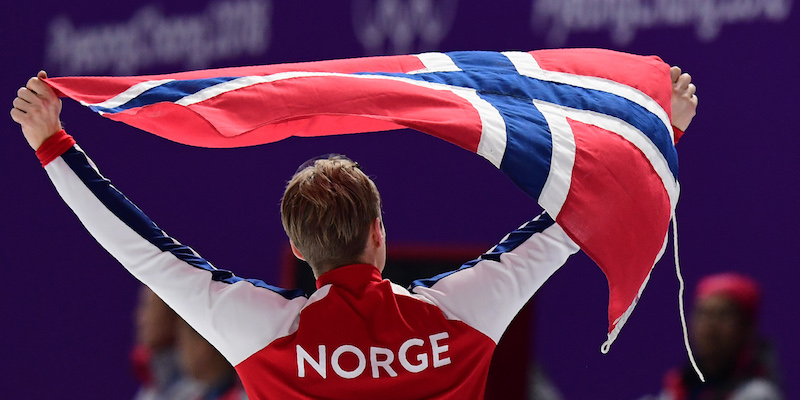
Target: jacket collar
{"x": 350, "y": 276}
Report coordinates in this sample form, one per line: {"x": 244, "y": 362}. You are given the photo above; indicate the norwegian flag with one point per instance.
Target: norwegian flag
{"x": 586, "y": 132}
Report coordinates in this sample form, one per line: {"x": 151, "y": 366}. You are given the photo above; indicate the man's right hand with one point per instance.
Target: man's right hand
{"x": 37, "y": 110}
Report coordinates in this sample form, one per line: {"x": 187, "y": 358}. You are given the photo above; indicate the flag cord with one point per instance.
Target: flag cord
{"x": 680, "y": 299}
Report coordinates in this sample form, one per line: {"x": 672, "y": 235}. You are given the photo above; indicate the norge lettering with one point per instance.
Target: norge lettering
{"x": 379, "y": 358}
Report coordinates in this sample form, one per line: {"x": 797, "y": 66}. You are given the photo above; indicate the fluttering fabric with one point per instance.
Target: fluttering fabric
{"x": 585, "y": 132}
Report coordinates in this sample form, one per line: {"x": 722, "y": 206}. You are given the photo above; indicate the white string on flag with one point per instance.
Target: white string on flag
{"x": 680, "y": 299}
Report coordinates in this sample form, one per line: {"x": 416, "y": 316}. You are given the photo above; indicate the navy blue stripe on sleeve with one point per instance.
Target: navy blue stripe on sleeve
{"x": 134, "y": 218}
{"x": 511, "y": 242}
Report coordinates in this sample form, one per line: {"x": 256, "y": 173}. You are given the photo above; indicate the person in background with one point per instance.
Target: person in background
{"x": 737, "y": 363}
{"x": 154, "y": 357}
{"x": 202, "y": 362}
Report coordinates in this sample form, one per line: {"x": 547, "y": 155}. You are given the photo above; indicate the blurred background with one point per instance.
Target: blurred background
{"x": 67, "y": 306}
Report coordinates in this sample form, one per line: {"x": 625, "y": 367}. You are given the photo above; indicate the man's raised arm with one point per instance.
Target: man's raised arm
{"x": 237, "y": 316}
{"x": 486, "y": 293}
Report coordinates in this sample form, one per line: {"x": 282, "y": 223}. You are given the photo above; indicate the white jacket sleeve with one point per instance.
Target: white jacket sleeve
{"x": 237, "y": 316}
{"x": 488, "y": 292}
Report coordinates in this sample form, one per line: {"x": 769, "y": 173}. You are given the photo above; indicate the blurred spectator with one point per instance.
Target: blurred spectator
{"x": 154, "y": 357}
{"x": 207, "y": 366}
{"x": 736, "y": 362}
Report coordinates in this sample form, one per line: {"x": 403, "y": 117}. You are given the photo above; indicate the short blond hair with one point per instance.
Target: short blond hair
{"x": 327, "y": 210}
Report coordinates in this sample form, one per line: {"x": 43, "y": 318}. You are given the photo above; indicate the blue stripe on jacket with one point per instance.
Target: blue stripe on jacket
{"x": 133, "y": 217}
{"x": 511, "y": 242}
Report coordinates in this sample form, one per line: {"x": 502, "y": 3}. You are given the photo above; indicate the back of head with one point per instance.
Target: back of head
{"x": 327, "y": 209}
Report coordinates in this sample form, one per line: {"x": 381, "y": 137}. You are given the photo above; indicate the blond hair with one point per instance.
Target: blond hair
{"x": 327, "y": 210}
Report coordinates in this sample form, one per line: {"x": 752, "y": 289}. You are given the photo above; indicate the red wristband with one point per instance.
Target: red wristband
{"x": 678, "y": 133}
{"x": 54, "y": 147}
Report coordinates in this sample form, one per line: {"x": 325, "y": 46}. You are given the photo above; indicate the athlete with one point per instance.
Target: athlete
{"x": 357, "y": 336}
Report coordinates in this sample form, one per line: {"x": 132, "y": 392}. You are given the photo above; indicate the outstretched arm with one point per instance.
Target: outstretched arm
{"x": 486, "y": 293}
{"x": 239, "y": 317}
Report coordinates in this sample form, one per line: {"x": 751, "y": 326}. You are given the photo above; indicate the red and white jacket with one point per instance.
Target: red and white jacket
{"x": 357, "y": 336}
